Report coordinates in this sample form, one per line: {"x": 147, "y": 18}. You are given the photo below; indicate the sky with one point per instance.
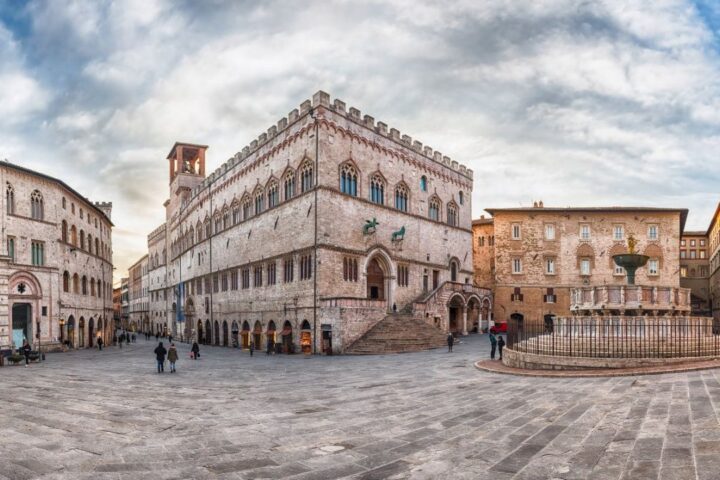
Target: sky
{"x": 575, "y": 103}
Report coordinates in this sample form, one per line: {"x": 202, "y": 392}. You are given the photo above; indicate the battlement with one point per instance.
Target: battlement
{"x": 322, "y": 99}
{"x": 158, "y": 231}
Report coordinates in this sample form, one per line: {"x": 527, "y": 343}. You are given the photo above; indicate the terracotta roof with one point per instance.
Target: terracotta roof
{"x": 682, "y": 211}
{"x": 59, "y": 182}
{"x": 194, "y": 145}
{"x": 482, "y": 221}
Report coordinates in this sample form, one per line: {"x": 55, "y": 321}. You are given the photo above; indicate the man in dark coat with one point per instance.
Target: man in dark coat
{"x": 493, "y": 344}
{"x": 160, "y": 353}
{"x": 100, "y": 343}
{"x": 450, "y": 342}
{"x": 501, "y": 344}
{"x": 26, "y": 349}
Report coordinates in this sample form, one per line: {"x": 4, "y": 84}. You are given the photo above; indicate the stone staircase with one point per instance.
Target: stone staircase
{"x": 398, "y": 333}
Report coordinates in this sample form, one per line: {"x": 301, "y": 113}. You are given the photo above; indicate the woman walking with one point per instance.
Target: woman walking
{"x": 172, "y": 357}
{"x": 195, "y": 351}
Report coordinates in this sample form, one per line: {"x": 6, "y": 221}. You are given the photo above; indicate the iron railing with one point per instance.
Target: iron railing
{"x": 617, "y": 337}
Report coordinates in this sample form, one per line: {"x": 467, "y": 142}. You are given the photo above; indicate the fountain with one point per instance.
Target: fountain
{"x": 630, "y": 261}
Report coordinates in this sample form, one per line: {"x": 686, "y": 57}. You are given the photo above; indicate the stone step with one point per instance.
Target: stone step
{"x": 398, "y": 333}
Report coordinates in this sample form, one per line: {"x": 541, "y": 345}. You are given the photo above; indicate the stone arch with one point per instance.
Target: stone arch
{"x": 225, "y": 334}
{"x": 474, "y": 314}
{"x": 454, "y": 267}
{"x": 208, "y": 332}
{"x": 234, "y": 332}
{"x": 81, "y": 332}
{"x": 456, "y": 307}
{"x": 245, "y": 335}
{"x": 70, "y": 331}
{"x": 257, "y": 334}
{"x": 379, "y": 271}
{"x": 585, "y": 251}
{"x": 287, "y": 337}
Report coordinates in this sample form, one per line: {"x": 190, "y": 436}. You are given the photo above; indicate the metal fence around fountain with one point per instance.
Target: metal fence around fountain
{"x": 617, "y": 337}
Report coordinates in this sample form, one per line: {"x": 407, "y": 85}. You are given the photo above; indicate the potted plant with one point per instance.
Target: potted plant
{"x": 15, "y": 358}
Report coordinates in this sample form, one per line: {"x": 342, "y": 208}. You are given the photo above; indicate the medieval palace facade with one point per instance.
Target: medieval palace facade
{"x": 326, "y": 224}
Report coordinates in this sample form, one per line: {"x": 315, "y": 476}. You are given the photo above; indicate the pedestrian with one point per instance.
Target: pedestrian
{"x": 170, "y": 338}
{"x": 501, "y": 344}
{"x": 157, "y": 337}
{"x": 195, "y": 351}
{"x": 160, "y": 357}
{"x": 450, "y": 342}
{"x": 493, "y": 344}
{"x": 394, "y": 308}
{"x": 26, "y": 351}
{"x": 133, "y": 338}
{"x": 100, "y": 343}
{"x": 172, "y": 357}
{"x": 269, "y": 347}
{"x": 252, "y": 347}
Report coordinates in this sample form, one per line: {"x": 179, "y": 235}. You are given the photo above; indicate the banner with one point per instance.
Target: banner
{"x": 180, "y": 302}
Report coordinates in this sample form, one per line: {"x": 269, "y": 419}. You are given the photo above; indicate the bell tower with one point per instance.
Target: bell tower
{"x": 187, "y": 170}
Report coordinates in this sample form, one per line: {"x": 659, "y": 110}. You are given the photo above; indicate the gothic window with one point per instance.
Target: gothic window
{"x": 66, "y": 281}
{"x": 377, "y": 189}
{"x": 306, "y": 176}
{"x": 403, "y": 275}
{"x": 10, "y": 198}
{"x": 246, "y": 207}
{"x": 273, "y": 196}
{"x": 258, "y": 280}
{"x": 226, "y": 217}
{"x": 217, "y": 222}
{"x": 64, "y": 232}
{"x": 289, "y": 185}
{"x": 190, "y": 240}
{"x": 38, "y": 253}
{"x": 84, "y": 285}
{"x": 82, "y": 239}
{"x": 208, "y": 232}
{"x": 259, "y": 203}
{"x": 37, "y": 209}
{"x": 305, "y": 267}
{"x": 199, "y": 232}
{"x": 289, "y": 270}
{"x": 348, "y": 180}
{"x": 434, "y": 209}
{"x": 271, "y": 273}
{"x": 401, "y": 197}
{"x": 236, "y": 213}
{"x": 76, "y": 283}
{"x": 350, "y": 269}
{"x": 92, "y": 287}
{"x": 423, "y": 183}
{"x": 452, "y": 214}
{"x": 97, "y": 247}
{"x": 89, "y": 243}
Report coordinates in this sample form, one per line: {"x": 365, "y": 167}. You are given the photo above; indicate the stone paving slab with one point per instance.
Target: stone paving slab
{"x": 429, "y": 415}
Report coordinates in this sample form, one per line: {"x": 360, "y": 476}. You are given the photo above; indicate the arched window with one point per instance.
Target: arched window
{"x": 217, "y": 220}
{"x": 461, "y": 198}
{"x": 97, "y": 247}
{"x": 226, "y": 217}
{"x": 289, "y": 185}
{"x": 66, "y": 281}
{"x": 452, "y": 214}
{"x": 434, "y": 209}
{"x": 73, "y": 235}
{"x": 208, "y": 233}
{"x": 306, "y": 176}
{"x": 423, "y": 183}
{"x": 64, "y": 231}
{"x": 348, "y": 179}
{"x": 92, "y": 287}
{"x": 9, "y": 197}
{"x": 401, "y": 197}
{"x": 84, "y": 285}
{"x": 76, "y": 283}
{"x": 82, "y": 239}
{"x": 236, "y": 218}
{"x": 259, "y": 202}
{"x": 273, "y": 196}
{"x": 246, "y": 207}
{"x": 199, "y": 232}
{"x": 37, "y": 209}
{"x": 377, "y": 189}
{"x": 90, "y": 244}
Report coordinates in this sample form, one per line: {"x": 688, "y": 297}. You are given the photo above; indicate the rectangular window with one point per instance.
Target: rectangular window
{"x": 271, "y": 278}
{"x": 702, "y": 253}
{"x": 198, "y": 285}
{"x": 305, "y": 267}
{"x": 216, "y": 283}
{"x": 682, "y": 242}
{"x": 683, "y": 271}
{"x": 289, "y": 270}
{"x": 584, "y": 232}
{"x": 350, "y": 269}
{"x": 258, "y": 277}
{"x": 207, "y": 284}
{"x": 702, "y": 242}
{"x": 692, "y": 243}
{"x": 403, "y": 275}
{"x": 516, "y": 265}
{"x": 550, "y": 266}
{"x": 683, "y": 254}
{"x": 693, "y": 254}
{"x": 38, "y": 253}
{"x": 585, "y": 266}
{"x": 224, "y": 282}
{"x": 11, "y": 248}
{"x": 234, "y": 280}
{"x": 652, "y": 232}
{"x": 618, "y": 270}
{"x": 516, "y": 231}
{"x": 653, "y": 267}
{"x": 245, "y": 278}
{"x": 517, "y": 295}
{"x": 618, "y": 232}
{"x": 549, "y": 296}
{"x": 549, "y": 231}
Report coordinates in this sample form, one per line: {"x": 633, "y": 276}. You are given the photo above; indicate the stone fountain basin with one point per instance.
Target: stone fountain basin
{"x": 626, "y": 260}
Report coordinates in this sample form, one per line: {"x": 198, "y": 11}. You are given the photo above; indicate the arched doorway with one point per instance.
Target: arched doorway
{"x": 208, "y": 332}
{"x": 235, "y": 330}
{"x": 21, "y": 323}
{"x": 473, "y": 314}
{"x": 306, "y": 337}
{"x": 375, "y": 280}
{"x": 287, "y": 338}
{"x": 270, "y": 335}
{"x": 199, "y": 331}
{"x": 455, "y": 313}
{"x": 225, "y": 334}
{"x": 518, "y": 317}
{"x": 216, "y": 333}
{"x": 257, "y": 335}
{"x": 81, "y": 333}
{"x": 71, "y": 331}
{"x": 245, "y": 335}
{"x": 91, "y": 332}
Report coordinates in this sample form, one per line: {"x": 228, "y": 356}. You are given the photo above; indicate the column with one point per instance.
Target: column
{"x": 465, "y": 331}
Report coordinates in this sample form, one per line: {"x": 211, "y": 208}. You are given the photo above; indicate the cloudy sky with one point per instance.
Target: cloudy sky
{"x": 571, "y": 102}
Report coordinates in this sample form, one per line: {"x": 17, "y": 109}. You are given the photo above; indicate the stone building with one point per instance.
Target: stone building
{"x": 695, "y": 270}
{"x": 138, "y": 300}
{"x": 56, "y": 270}
{"x": 713, "y": 236}
{"x": 124, "y": 303}
{"x": 541, "y": 254}
{"x": 320, "y": 229}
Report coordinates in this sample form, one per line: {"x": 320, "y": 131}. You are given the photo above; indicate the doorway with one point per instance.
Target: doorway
{"x": 436, "y": 279}
{"x": 21, "y": 323}
{"x": 375, "y": 281}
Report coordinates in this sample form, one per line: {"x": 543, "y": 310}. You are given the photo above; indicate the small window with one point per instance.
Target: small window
{"x": 652, "y": 232}
{"x": 683, "y": 254}
{"x": 64, "y": 204}
{"x": 702, "y": 242}
{"x": 516, "y": 265}
{"x": 702, "y": 253}
{"x": 618, "y": 270}
{"x": 348, "y": 180}
{"x": 516, "y": 231}
{"x": 653, "y": 265}
{"x": 585, "y": 232}
{"x": 377, "y": 189}
{"x": 585, "y": 266}
{"x": 682, "y": 242}
{"x": 692, "y": 243}
{"x": 550, "y": 266}
{"x": 11, "y": 248}
{"x": 683, "y": 271}
{"x": 618, "y": 233}
{"x": 461, "y": 198}
{"x": 37, "y": 253}
{"x": 423, "y": 183}
{"x": 549, "y": 231}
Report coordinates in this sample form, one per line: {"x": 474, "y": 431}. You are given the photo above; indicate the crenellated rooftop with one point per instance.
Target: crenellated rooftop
{"x": 322, "y": 99}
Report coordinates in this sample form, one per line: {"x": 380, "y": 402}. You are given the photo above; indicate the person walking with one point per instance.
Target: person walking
{"x": 133, "y": 338}
{"x": 493, "y": 345}
{"x": 195, "y": 349}
{"x": 252, "y": 347}
{"x": 26, "y": 349}
{"x": 170, "y": 338}
{"x": 100, "y": 343}
{"x": 501, "y": 344}
{"x": 157, "y": 337}
{"x": 450, "y": 342}
{"x": 269, "y": 347}
{"x": 172, "y": 357}
{"x": 160, "y": 353}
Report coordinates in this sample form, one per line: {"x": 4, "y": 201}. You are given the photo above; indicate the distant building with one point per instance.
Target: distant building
{"x": 138, "y": 318}
{"x": 56, "y": 266}
{"x": 124, "y": 303}
{"x": 541, "y": 254}
{"x": 713, "y": 236}
{"x": 695, "y": 270}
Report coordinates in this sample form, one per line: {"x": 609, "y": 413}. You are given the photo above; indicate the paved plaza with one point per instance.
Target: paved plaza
{"x": 430, "y": 415}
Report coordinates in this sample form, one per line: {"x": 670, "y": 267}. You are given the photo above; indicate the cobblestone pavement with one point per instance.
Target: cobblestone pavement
{"x": 429, "y": 415}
